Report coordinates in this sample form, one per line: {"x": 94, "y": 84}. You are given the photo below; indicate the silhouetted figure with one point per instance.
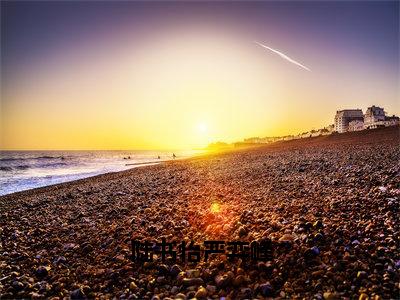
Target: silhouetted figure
{"x": 158, "y": 157}
{"x": 173, "y": 155}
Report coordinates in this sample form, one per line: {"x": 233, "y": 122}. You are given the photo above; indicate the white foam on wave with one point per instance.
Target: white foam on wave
{"x": 24, "y": 170}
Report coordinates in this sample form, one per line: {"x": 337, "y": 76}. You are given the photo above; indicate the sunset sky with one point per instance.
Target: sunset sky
{"x": 174, "y": 75}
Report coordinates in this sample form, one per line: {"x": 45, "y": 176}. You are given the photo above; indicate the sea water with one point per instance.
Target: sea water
{"x": 23, "y": 170}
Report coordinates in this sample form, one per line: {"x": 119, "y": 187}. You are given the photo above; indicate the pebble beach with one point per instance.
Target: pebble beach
{"x": 329, "y": 205}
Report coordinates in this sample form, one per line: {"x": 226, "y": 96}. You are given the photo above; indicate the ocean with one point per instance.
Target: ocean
{"x": 24, "y": 170}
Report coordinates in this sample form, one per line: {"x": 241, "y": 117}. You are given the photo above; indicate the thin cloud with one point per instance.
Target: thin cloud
{"x": 284, "y": 56}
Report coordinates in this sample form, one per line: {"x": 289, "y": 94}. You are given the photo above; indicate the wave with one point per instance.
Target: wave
{"x": 58, "y": 164}
{"x": 11, "y": 159}
{"x": 9, "y": 169}
{"x": 6, "y": 169}
{"x": 49, "y": 157}
{"x": 22, "y": 167}
{"x": 31, "y": 158}
{"x": 25, "y": 167}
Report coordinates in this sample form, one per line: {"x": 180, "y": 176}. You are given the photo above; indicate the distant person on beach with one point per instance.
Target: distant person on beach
{"x": 158, "y": 157}
{"x": 173, "y": 155}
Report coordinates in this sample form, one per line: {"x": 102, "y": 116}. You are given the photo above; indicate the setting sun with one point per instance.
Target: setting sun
{"x": 202, "y": 127}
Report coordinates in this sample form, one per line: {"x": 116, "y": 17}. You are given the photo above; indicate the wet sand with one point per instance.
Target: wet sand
{"x": 329, "y": 205}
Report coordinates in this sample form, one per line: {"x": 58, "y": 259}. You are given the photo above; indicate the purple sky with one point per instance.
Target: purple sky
{"x": 33, "y": 30}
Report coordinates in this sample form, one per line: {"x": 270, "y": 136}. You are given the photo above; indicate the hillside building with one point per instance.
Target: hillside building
{"x": 344, "y": 117}
{"x": 373, "y": 116}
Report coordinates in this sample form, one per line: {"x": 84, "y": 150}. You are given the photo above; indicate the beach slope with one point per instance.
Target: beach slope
{"x": 329, "y": 205}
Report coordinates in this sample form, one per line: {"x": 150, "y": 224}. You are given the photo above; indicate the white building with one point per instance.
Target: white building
{"x": 254, "y": 140}
{"x": 356, "y": 125}
{"x": 373, "y": 116}
{"x": 344, "y": 117}
{"x": 389, "y": 121}
{"x": 392, "y": 121}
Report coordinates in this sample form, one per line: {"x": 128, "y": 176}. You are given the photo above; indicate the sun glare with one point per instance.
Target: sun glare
{"x": 215, "y": 207}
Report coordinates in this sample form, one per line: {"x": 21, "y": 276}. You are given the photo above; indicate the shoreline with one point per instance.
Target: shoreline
{"x": 133, "y": 166}
{"x": 308, "y": 140}
{"x": 328, "y": 212}
{"x": 37, "y": 189}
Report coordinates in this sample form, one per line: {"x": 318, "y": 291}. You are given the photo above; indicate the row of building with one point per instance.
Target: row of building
{"x": 266, "y": 140}
{"x": 354, "y": 119}
{"x": 345, "y": 120}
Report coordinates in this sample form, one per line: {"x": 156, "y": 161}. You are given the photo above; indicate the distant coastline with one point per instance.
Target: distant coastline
{"x": 347, "y": 120}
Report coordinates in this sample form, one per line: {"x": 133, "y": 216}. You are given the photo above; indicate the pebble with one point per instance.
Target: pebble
{"x": 363, "y": 297}
{"x": 318, "y": 224}
{"x": 211, "y": 289}
{"x": 239, "y": 280}
{"x": 224, "y": 280}
{"x": 163, "y": 270}
{"x": 266, "y": 290}
{"x": 60, "y": 260}
{"x": 286, "y": 238}
{"x": 161, "y": 280}
{"x": 175, "y": 270}
{"x": 246, "y": 293}
{"x": 330, "y": 296}
{"x": 315, "y": 250}
{"x": 78, "y": 294}
{"x": 318, "y": 237}
{"x": 201, "y": 293}
{"x": 42, "y": 271}
{"x": 17, "y": 285}
{"x": 193, "y": 281}
{"x": 361, "y": 274}
{"x": 311, "y": 253}
{"x": 242, "y": 231}
{"x": 132, "y": 286}
{"x": 317, "y": 273}
{"x": 193, "y": 273}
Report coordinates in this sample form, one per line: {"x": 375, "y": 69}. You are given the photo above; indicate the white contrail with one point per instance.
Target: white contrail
{"x": 284, "y": 56}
